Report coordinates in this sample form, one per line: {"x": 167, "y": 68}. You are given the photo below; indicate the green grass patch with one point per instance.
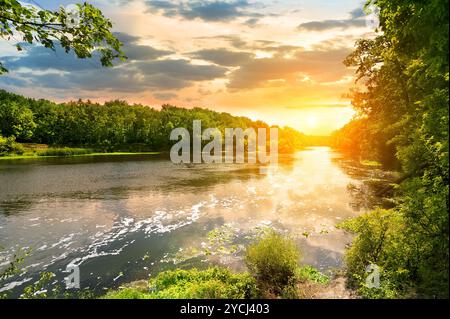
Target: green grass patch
{"x": 311, "y": 274}
{"x": 121, "y": 153}
{"x": 64, "y": 151}
{"x": 212, "y": 283}
{"x": 28, "y": 155}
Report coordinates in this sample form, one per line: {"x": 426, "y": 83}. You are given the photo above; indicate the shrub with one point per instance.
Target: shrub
{"x": 8, "y": 145}
{"x": 311, "y": 274}
{"x": 127, "y": 293}
{"x": 273, "y": 261}
{"x": 212, "y": 283}
{"x": 16, "y": 119}
{"x": 380, "y": 240}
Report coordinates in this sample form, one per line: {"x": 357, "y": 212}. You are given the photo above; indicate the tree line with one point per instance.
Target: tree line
{"x": 116, "y": 125}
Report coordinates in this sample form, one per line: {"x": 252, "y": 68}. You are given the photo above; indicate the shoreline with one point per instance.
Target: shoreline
{"x": 35, "y": 156}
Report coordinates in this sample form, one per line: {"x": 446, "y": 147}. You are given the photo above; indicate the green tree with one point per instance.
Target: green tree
{"x": 16, "y": 120}
{"x": 87, "y": 32}
{"x": 405, "y": 108}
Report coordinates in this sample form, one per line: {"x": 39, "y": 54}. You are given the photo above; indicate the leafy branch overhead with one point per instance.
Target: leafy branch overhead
{"x": 85, "y": 34}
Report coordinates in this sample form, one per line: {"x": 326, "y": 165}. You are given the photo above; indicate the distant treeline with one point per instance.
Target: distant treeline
{"x": 361, "y": 139}
{"x": 117, "y": 125}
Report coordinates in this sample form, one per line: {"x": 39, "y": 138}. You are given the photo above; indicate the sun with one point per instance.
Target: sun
{"x": 312, "y": 121}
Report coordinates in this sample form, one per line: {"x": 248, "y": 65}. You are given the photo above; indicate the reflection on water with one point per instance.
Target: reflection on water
{"x": 125, "y": 218}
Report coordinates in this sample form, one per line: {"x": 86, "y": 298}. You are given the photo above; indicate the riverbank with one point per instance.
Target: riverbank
{"x": 272, "y": 271}
{"x": 312, "y": 287}
{"x": 74, "y": 154}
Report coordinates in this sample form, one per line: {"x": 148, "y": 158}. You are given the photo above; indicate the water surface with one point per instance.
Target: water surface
{"x": 124, "y": 218}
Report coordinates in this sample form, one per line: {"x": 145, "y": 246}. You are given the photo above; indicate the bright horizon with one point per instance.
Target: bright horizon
{"x": 276, "y": 61}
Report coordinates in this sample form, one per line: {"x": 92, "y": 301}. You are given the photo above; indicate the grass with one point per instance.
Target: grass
{"x": 309, "y": 273}
{"x": 124, "y": 153}
{"x": 69, "y": 152}
{"x": 64, "y": 151}
{"x": 273, "y": 272}
{"x": 212, "y": 283}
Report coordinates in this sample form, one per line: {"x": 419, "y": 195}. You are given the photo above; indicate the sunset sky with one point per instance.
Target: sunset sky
{"x": 275, "y": 60}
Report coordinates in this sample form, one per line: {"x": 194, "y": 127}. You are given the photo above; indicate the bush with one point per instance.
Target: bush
{"x": 380, "y": 240}
{"x": 127, "y": 293}
{"x": 273, "y": 261}
{"x": 8, "y": 145}
{"x": 311, "y": 274}
{"x": 65, "y": 151}
{"x": 212, "y": 283}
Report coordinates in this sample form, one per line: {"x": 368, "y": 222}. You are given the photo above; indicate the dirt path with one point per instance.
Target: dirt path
{"x": 335, "y": 289}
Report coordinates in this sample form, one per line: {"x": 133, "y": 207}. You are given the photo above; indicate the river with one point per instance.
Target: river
{"x": 125, "y": 218}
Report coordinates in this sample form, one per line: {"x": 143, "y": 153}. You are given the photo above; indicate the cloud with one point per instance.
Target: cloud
{"x": 356, "y": 20}
{"x": 135, "y": 51}
{"x": 206, "y": 10}
{"x": 165, "y": 96}
{"x": 234, "y": 40}
{"x": 151, "y": 69}
{"x": 143, "y": 52}
{"x": 239, "y": 44}
{"x": 315, "y": 65}
{"x": 323, "y": 105}
{"x": 276, "y": 48}
{"x": 147, "y": 68}
{"x": 166, "y": 7}
{"x": 40, "y": 58}
{"x": 252, "y": 22}
{"x": 126, "y": 38}
{"x": 182, "y": 69}
{"x": 133, "y": 77}
{"x": 331, "y": 24}
{"x": 223, "y": 56}
{"x": 12, "y": 81}
{"x": 357, "y": 13}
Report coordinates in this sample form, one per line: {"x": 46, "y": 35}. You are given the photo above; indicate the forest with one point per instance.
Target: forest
{"x": 113, "y": 126}
{"x": 402, "y": 118}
